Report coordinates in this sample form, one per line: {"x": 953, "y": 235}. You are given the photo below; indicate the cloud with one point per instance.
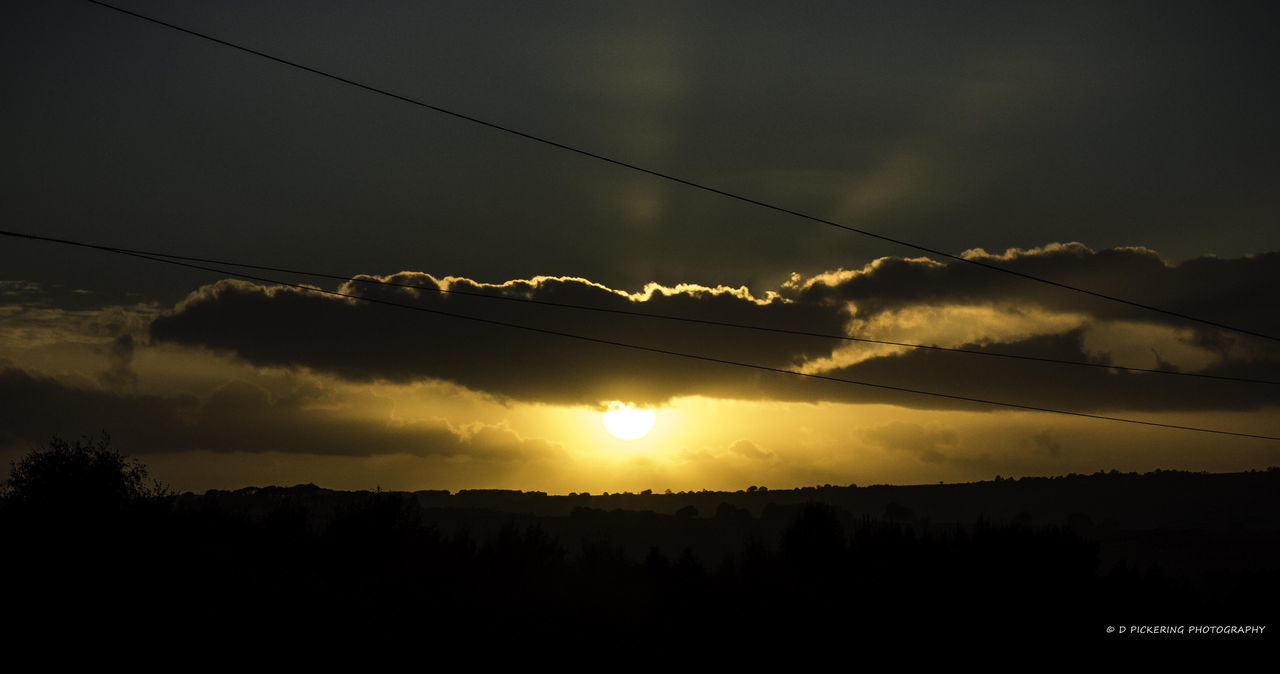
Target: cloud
{"x": 365, "y": 342}
{"x": 1225, "y": 291}
{"x": 910, "y": 300}
{"x": 120, "y": 358}
{"x": 35, "y": 315}
{"x": 1043, "y": 384}
{"x": 1044, "y": 442}
{"x": 750, "y": 450}
{"x": 239, "y": 416}
{"x": 929, "y": 443}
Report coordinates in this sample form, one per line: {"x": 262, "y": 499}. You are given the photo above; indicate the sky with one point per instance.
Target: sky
{"x": 1127, "y": 148}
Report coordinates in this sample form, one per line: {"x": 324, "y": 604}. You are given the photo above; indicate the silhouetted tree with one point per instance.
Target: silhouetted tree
{"x": 79, "y": 527}
{"x": 77, "y": 478}
{"x": 728, "y": 512}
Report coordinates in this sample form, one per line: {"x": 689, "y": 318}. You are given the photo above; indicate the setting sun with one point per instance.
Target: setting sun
{"x": 625, "y": 422}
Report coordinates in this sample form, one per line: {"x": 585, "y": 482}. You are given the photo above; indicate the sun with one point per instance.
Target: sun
{"x": 625, "y": 422}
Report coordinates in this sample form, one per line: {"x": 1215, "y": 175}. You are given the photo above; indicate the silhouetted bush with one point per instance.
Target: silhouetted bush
{"x": 79, "y": 478}
{"x": 82, "y": 529}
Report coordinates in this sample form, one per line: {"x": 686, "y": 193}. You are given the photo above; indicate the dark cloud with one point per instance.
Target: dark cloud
{"x": 239, "y": 416}
{"x": 362, "y": 341}
{"x": 1231, "y": 292}
{"x": 1045, "y": 442}
{"x": 1040, "y": 385}
{"x": 119, "y": 372}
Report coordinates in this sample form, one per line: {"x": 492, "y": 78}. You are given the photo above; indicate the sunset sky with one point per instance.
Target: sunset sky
{"x": 1126, "y": 148}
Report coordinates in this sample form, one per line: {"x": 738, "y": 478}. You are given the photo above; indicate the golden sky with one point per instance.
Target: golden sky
{"x": 1109, "y": 146}
{"x": 245, "y": 383}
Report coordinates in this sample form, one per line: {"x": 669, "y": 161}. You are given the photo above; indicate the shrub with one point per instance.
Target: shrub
{"x": 85, "y": 474}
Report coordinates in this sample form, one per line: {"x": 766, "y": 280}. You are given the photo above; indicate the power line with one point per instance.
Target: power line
{"x": 676, "y": 179}
{"x": 639, "y": 314}
{"x": 681, "y": 354}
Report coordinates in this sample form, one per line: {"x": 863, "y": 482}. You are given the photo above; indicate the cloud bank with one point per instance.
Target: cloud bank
{"x": 243, "y": 417}
{"x": 912, "y": 300}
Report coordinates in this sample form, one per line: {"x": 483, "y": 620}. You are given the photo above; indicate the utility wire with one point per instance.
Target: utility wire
{"x": 681, "y": 354}
{"x": 639, "y": 314}
{"x": 673, "y": 178}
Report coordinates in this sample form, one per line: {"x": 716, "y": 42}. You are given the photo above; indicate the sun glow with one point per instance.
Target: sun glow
{"x": 625, "y": 422}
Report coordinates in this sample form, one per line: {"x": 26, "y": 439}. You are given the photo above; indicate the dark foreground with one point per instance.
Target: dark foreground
{"x": 761, "y": 570}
